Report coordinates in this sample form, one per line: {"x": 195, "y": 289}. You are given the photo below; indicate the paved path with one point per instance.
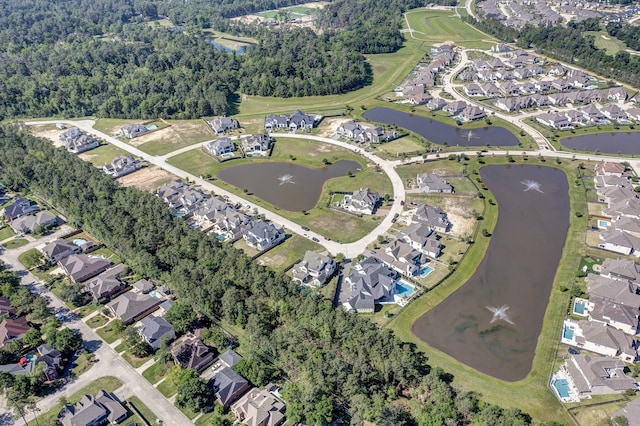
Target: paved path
{"x": 109, "y": 363}
{"x": 348, "y": 249}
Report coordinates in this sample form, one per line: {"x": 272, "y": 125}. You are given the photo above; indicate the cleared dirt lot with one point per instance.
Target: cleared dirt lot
{"x": 148, "y": 178}
{"x": 48, "y": 131}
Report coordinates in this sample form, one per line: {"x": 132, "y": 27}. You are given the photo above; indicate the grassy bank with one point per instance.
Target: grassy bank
{"x": 530, "y": 394}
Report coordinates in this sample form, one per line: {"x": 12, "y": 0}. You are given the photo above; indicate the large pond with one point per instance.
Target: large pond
{"x": 441, "y": 133}
{"x": 609, "y": 143}
{"x": 285, "y": 185}
{"x": 493, "y": 321}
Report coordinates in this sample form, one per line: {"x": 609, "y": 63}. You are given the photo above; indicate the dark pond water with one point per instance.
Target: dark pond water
{"x": 285, "y": 185}
{"x": 240, "y": 50}
{"x": 517, "y": 273}
{"x": 439, "y": 133}
{"x": 609, "y": 143}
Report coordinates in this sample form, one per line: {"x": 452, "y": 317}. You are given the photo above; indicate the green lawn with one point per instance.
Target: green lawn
{"x": 108, "y": 254}
{"x": 188, "y": 412}
{"x": 530, "y": 394}
{"x": 15, "y": 243}
{"x": 167, "y": 389}
{"x": 156, "y": 372}
{"x": 134, "y": 360}
{"x": 180, "y": 134}
{"x": 121, "y": 347}
{"x": 603, "y": 40}
{"x": 108, "y": 334}
{"x": 436, "y": 26}
{"x": 83, "y": 363}
{"x": 31, "y": 258}
{"x": 309, "y": 154}
{"x": 97, "y": 321}
{"x": 103, "y": 154}
{"x": 589, "y": 262}
{"x": 288, "y": 252}
{"x": 144, "y": 411}
{"x": 108, "y": 383}
{"x": 394, "y": 149}
{"x": 85, "y": 310}
{"x": 6, "y": 232}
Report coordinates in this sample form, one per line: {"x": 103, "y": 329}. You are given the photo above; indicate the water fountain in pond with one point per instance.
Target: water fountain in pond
{"x": 286, "y": 179}
{"x": 532, "y": 185}
{"x": 470, "y": 135}
{"x": 500, "y": 313}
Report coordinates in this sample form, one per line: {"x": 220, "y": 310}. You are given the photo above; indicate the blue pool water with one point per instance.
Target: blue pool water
{"x": 603, "y": 224}
{"x": 152, "y": 127}
{"x": 562, "y": 386}
{"x": 155, "y": 294}
{"x": 425, "y": 270}
{"x": 79, "y": 242}
{"x": 226, "y": 155}
{"x": 567, "y": 333}
{"x": 221, "y": 237}
{"x": 404, "y": 289}
{"x": 578, "y": 307}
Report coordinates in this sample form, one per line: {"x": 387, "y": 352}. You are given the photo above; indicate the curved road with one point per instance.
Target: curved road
{"x": 350, "y": 250}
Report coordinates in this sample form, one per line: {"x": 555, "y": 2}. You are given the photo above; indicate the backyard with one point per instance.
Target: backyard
{"x": 291, "y": 250}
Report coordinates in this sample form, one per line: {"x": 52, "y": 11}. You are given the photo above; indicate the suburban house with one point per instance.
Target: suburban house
{"x": 621, "y": 270}
{"x": 263, "y": 235}
{"x": 30, "y": 223}
{"x": 221, "y": 146}
{"x": 431, "y": 183}
{"x": 229, "y": 358}
{"x": 6, "y": 308}
{"x": 363, "y": 201}
{"x": 11, "y": 329}
{"x": 620, "y": 292}
{"x": 259, "y": 408}
{"x": 597, "y": 375}
{"x": 77, "y": 141}
{"x": 51, "y": 358}
{"x": 607, "y": 168}
{"x": 142, "y": 286}
{"x": 20, "y": 207}
{"x": 402, "y": 258}
{"x": 131, "y": 307}
{"x": 619, "y": 242}
{"x": 93, "y": 411}
{"x": 258, "y": 144}
{"x": 275, "y": 122}
{"x": 421, "y": 237}
{"x": 209, "y": 207}
{"x": 621, "y": 317}
{"x": 436, "y": 104}
{"x": 107, "y": 283}
{"x": 227, "y": 385}
{"x": 231, "y": 222}
{"x": 192, "y": 353}
{"x": 315, "y": 269}
{"x": 296, "y": 121}
{"x": 370, "y": 281}
{"x": 617, "y": 94}
{"x": 472, "y": 113}
{"x": 122, "y": 165}
{"x": 222, "y": 124}
{"x": 153, "y": 329}
{"x": 434, "y": 217}
{"x": 80, "y": 267}
{"x": 599, "y": 338}
{"x": 455, "y": 107}
{"x": 132, "y": 131}
{"x": 59, "y": 249}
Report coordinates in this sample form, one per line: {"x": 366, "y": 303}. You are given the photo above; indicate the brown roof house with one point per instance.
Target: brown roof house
{"x": 131, "y": 307}
{"x": 227, "y": 385}
{"x": 6, "y": 308}
{"x": 11, "y": 329}
{"x": 107, "y": 283}
{"x": 193, "y": 353}
{"x": 81, "y": 267}
{"x": 59, "y": 249}
{"x": 259, "y": 408}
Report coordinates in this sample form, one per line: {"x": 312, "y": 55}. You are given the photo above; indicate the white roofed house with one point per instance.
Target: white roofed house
{"x": 431, "y": 183}
{"x": 370, "y": 281}
{"x": 402, "y": 257}
{"x": 275, "y": 122}
{"x": 221, "y": 146}
{"x": 132, "y": 131}
{"x": 434, "y": 217}
{"x": 122, "y": 165}
{"x": 222, "y": 124}
{"x": 362, "y": 201}
{"x": 599, "y": 338}
{"x": 421, "y": 237}
{"x": 263, "y": 235}
{"x": 597, "y": 375}
{"x": 258, "y": 144}
{"x": 315, "y": 269}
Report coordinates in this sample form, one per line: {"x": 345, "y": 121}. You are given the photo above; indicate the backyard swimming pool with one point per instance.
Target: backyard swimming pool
{"x": 424, "y": 271}
{"x": 404, "y": 289}
{"x": 79, "y": 242}
{"x": 567, "y": 333}
{"x": 578, "y": 307}
{"x": 562, "y": 387}
{"x": 226, "y": 155}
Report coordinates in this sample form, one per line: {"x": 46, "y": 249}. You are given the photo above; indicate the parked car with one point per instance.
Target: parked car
{"x": 315, "y": 239}
{"x": 304, "y": 228}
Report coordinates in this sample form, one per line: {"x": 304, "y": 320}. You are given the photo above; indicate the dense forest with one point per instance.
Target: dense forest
{"x": 568, "y": 44}
{"x": 333, "y": 363}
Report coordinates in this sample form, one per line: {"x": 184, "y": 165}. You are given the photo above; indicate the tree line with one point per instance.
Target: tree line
{"x": 333, "y": 363}
{"x": 629, "y": 34}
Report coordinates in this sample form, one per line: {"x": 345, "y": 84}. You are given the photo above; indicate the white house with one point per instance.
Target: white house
{"x": 221, "y": 146}
{"x": 363, "y": 201}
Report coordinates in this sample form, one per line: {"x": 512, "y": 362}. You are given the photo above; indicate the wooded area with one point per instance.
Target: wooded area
{"x": 333, "y": 363}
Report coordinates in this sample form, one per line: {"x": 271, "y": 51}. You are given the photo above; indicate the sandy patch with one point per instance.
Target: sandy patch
{"x": 45, "y": 131}
{"x": 147, "y": 178}
{"x": 461, "y": 219}
{"x": 176, "y": 133}
{"x": 86, "y": 156}
{"x": 329, "y": 126}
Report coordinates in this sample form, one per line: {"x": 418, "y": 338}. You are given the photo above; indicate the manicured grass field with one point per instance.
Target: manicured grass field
{"x": 103, "y": 154}
{"x": 31, "y": 258}
{"x": 436, "y": 26}
{"x": 602, "y": 40}
{"x": 97, "y": 321}
{"x": 181, "y": 133}
{"x": 15, "y": 243}
{"x": 530, "y": 394}
{"x": 83, "y": 311}
{"x": 83, "y": 363}
{"x": 288, "y": 252}
{"x": 167, "y": 389}
{"x": 108, "y": 383}
{"x": 108, "y": 334}
{"x": 108, "y": 254}
{"x": 392, "y": 150}
{"x": 6, "y": 232}
{"x": 134, "y": 360}
{"x": 143, "y": 410}
{"x": 156, "y": 372}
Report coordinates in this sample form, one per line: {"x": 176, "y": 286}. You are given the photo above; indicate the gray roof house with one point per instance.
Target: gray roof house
{"x": 107, "y": 283}
{"x": 81, "y": 144}
{"x": 19, "y": 207}
{"x": 315, "y": 269}
{"x": 362, "y": 201}
{"x": 300, "y": 120}
{"x": 275, "y": 122}
{"x": 434, "y": 217}
{"x": 620, "y": 292}
{"x": 259, "y": 408}
{"x": 132, "y": 131}
{"x": 59, "y": 249}
{"x": 80, "y": 267}
{"x": 619, "y": 242}
{"x": 263, "y": 235}
{"x": 401, "y": 257}
{"x": 228, "y": 386}
{"x": 597, "y": 375}
{"x": 420, "y": 236}
{"x": 621, "y": 270}
{"x": 131, "y": 307}
{"x": 90, "y": 411}
{"x": 153, "y": 329}
{"x": 432, "y": 183}
{"x": 221, "y": 146}
{"x": 257, "y": 144}
{"x": 192, "y": 353}
{"x": 229, "y": 358}
{"x": 472, "y": 113}
{"x": 71, "y": 135}
{"x": 51, "y": 358}
{"x": 122, "y": 165}
{"x": 28, "y": 224}
{"x": 600, "y": 338}
{"x": 621, "y": 317}
{"x": 370, "y": 281}
{"x": 222, "y": 124}
{"x": 142, "y": 286}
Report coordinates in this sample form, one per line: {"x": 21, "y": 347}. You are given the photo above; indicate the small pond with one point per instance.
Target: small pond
{"x": 442, "y": 133}
{"x": 608, "y": 143}
{"x": 227, "y": 49}
{"x": 287, "y": 186}
{"x": 493, "y": 321}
